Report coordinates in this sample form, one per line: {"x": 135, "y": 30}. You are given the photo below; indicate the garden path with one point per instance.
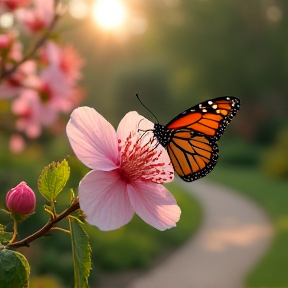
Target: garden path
{"x": 234, "y": 234}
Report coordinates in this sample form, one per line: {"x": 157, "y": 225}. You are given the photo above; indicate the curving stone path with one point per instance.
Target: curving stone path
{"x": 234, "y": 234}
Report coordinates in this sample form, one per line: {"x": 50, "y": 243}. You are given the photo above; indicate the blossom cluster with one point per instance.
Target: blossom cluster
{"x": 40, "y": 85}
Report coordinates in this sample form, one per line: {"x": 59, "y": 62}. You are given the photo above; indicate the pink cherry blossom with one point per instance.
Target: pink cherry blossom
{"x": 5, "y": 41}
{"x": 14, "y": 4}
{"x": 13, "y": 85}
{"x": 16, "y": 144}
{"x": 30, "y": 113}
{"x": 10, "y": 48}
{"x": 65, "y": 58}
{"x": 44, "y": 98}
{"x": 127, "y": 171}
{"x": 37, "y": 18}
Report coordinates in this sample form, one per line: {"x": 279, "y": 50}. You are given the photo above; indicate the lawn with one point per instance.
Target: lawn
{"x": 272, "y": 195}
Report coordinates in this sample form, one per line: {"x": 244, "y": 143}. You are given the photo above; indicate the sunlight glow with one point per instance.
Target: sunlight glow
{"x": 78, "y": 9}
{"x": 109, "y": 14}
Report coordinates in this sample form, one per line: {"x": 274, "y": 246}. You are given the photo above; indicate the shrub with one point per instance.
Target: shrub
{"x": 275, "y": 158}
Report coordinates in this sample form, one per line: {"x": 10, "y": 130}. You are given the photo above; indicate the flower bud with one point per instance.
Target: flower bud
{"x": 5, "y": 41}
{"x": 21, "y": 199}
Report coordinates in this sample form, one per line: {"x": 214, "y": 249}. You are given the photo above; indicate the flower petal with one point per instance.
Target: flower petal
{"x": 130, "y": 123}
{"x": 154, "y": 204}
{"x": 93, "y": 139}
{"x": 129, "y": 126}
{"x": 104, "y": 200}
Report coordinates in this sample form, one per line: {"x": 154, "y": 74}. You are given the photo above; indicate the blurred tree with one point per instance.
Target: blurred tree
{"x": 228, "y": 48}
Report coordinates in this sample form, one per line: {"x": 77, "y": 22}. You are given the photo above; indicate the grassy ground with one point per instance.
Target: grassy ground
{"x": 272, "y": 195}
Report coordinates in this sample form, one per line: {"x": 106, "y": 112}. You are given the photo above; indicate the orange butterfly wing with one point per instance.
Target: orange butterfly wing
{"x": 190, "y": 138}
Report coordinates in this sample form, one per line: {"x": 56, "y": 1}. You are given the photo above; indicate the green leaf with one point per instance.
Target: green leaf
{"x": 81, "y": 250}
{"x": 4, "y": 236}
{"x": 14, "y": 270}
{"x": 53, "y": 179}
{"x": 5, "y": 217}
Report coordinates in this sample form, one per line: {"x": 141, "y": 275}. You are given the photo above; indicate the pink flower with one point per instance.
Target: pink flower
{"x": 5, "y": 41}
{"x": 16, "y": 144}
{"x": 40, "y": 105}
{"x": 38, "y": 18}
{"x": 127, "y": 171}
{"x": 10, "y": 48}
{"x": 14, "y": 4}
{"x": 21, "y": 199}
{"x": 24, "y": 76}
{"x": 33, "y": 113}
{"x": 65, "y": 58}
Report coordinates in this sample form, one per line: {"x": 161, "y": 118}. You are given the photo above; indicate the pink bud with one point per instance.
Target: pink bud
{"x": 21, "y": 199}
{"x": 5, "y": 41}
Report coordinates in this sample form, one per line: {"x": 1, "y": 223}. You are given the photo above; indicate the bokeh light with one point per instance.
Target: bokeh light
{"x": 78, "y": 9}
{"x": 6, "y": 20}
{"x": 109, "y": 14}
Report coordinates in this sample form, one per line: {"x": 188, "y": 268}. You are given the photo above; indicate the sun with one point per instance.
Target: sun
{"x": 109, "y": 14}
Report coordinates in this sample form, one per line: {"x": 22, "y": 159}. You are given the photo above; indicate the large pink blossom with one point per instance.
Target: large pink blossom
{"x": 37, "y": 18}
{"x": 127, "y": 171}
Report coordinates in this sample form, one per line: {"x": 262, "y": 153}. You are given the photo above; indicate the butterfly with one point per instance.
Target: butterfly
{"x": 191, "y": 137}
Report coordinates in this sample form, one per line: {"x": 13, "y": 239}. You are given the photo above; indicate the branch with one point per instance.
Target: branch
{"x": 34, "y": 49}
{"x": 45, "y": 229}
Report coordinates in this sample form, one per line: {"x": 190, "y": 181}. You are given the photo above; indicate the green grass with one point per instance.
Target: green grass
{"x": 137, "y": 244}
{"x": 272, "y": 195}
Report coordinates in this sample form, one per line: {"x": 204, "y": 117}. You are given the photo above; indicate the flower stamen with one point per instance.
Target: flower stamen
{"x": 142, "y": 161}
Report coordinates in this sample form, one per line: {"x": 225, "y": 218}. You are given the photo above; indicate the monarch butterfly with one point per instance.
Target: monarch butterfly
{"x": 191, "y": 137}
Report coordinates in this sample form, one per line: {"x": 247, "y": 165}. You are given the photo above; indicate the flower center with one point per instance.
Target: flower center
{"x": 140, "y": 161}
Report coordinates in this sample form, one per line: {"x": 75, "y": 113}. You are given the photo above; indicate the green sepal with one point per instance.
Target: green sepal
{"x": 14, "y": 270}
{"x": 81, "y": 250}
{"x": 18, "y": 217}
{"x": 53, "y": 179}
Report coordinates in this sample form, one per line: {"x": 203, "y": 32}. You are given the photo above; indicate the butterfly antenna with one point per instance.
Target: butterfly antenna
{"x": 137, "y": 95}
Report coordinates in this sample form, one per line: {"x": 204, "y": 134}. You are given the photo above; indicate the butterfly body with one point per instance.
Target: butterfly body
{"x": 191, "y": 137}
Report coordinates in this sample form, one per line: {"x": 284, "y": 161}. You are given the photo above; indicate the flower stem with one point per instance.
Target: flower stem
{"x": 15, "y": 232}
{"x": 45, "y": 229}
{"x": 60, "y": 229}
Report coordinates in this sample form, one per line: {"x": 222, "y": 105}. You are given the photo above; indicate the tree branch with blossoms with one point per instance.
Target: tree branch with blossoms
{"x": 43, "y": 83}
{"x": 31, "y": 52}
